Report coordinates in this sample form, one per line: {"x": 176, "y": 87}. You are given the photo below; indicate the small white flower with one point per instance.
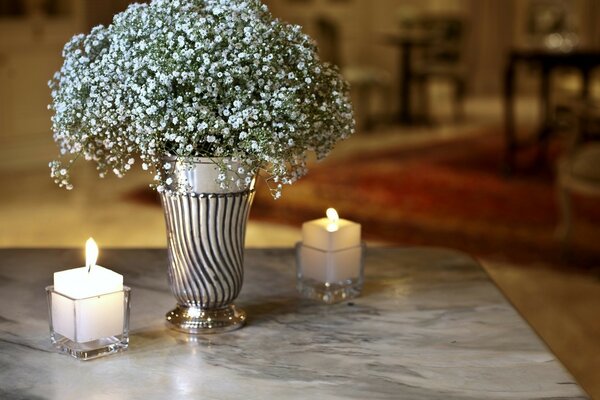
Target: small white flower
{"x": 232, "y": 81}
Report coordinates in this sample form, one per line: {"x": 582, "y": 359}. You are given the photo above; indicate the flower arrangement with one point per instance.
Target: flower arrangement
{"x": 197, "y": 78}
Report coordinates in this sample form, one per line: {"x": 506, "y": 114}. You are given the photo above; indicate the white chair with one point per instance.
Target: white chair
{"x": 579, "y": 170}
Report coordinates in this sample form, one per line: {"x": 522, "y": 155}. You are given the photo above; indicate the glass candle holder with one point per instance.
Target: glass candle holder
{"x": 90, "y": 327}
{"x": 330, "y": 276}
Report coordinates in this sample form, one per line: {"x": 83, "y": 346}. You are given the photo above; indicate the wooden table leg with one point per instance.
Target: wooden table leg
{"x": 509, "y": 119}
{"x": 405, "y": 78}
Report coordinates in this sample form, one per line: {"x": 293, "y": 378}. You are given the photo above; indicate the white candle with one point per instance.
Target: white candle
{"x": 88, "y": 302}
{"x": 331, "y": 233}
{"x": 331, "y": 249}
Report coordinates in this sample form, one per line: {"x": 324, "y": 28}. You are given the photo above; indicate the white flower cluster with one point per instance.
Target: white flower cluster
{"x": 197, "y": 78}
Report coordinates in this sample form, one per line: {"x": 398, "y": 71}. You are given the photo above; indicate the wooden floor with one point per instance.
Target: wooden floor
{"x": 562, "y": 306}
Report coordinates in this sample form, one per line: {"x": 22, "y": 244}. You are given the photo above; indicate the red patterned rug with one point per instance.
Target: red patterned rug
{"x": 449, "y": 194}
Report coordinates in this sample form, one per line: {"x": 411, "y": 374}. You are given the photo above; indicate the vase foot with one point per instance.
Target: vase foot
{"x": 195, "y": 320}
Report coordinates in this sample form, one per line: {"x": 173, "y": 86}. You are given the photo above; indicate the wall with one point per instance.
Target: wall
{"x": 30, "y": 52}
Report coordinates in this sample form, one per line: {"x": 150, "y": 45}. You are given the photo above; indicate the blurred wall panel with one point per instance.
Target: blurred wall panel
{"x": 489, "y": 40}
{"x": 31, "y": 43}
{"x": 30, "y": 52}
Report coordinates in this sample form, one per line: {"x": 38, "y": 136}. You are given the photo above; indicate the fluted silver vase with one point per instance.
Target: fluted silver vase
{"x": 206, "y": 228}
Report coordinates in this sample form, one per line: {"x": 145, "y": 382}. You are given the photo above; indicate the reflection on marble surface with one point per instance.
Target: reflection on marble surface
{"x": 429, "y": 325}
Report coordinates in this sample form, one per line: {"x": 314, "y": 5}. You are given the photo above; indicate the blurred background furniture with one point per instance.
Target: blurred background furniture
{"x": 545, "y": 61}
{"x": 431, "y": 48}
{"x": 407, "y": 43}
{"x": 578, "y": 170}
{"x": 442, "y": 59}
{"x": 367, "y": 82}
{"x": 555, "y": 46}
{"x": 551, "y": 24}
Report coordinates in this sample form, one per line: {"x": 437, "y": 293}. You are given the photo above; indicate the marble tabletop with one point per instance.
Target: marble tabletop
{"x": 429, "y": 325}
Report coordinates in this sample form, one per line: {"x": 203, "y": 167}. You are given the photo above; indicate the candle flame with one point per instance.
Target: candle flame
{"x": 332, "y": 215}
{"x": 333, "y": 218}
{"x": 91, "y": 253}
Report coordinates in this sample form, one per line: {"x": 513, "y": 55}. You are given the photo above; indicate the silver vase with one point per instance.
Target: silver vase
{"x": 206, "y": 228}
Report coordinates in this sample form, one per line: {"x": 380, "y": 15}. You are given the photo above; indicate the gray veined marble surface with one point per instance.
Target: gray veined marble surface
{"x": 429, "y": 325}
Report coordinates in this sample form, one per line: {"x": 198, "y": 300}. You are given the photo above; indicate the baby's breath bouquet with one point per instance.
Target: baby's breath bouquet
{"x": 197, "y": 78}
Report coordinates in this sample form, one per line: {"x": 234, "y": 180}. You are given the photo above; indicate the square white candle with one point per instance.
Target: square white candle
{"x": 315, "y": 234}
{"x": 88, "y": 306}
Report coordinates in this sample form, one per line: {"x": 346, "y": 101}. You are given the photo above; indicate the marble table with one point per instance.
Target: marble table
{"x": 429, "y": 325}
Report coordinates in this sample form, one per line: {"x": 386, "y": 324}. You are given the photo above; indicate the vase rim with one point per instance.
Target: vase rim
{"x": 202, "y": 174}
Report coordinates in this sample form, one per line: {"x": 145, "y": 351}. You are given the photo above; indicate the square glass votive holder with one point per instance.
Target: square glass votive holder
{"x": 330, "y": 276}
{"x": 91, "y": 327}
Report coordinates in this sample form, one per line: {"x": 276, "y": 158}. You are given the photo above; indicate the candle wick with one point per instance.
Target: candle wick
{"x": 89, "y": 268}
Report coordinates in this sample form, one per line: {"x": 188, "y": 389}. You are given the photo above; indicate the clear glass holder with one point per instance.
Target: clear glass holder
{"x": 330, "y": 276}
{"x": 91, "y": 327}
